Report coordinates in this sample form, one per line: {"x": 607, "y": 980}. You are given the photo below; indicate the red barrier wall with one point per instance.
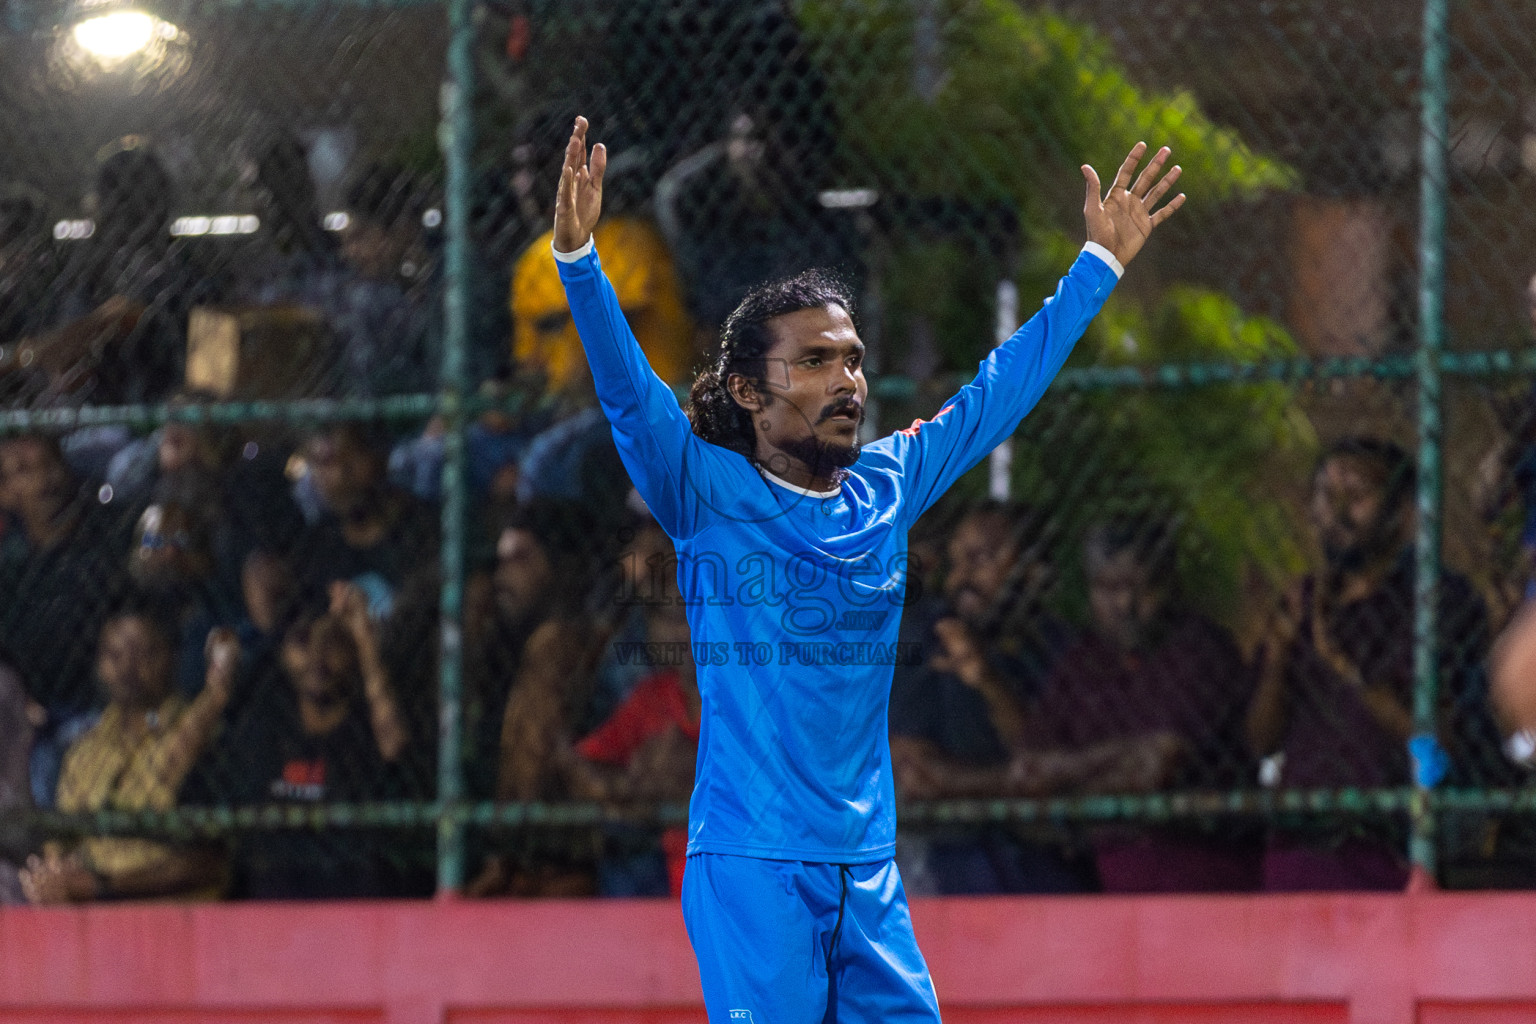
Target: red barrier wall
{"x": 1426, "y": 958}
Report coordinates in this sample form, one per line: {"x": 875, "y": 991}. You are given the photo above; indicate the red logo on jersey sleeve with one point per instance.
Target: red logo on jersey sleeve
{"x": 917, "y": 423}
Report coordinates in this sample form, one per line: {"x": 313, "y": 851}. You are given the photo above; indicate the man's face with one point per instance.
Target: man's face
{"x": 812, "y": 400}
{"x": 133, "y": 663}
{"x": 267, "y": 585}
{"x": 1348, "y": 510}
{"x": 31, "y": 477}
{"x": 982, "y": 557}
{"x": 164, "y": 553}
{"x": 523, "y": 575}
{"x": 327, "y": 670}
{"x": 372, "y": 249}
{"x": 745, "y": 150}
{"x": 346, "y": 474}
{"x": 178, "y": 447}
{"x": 1124, "y": 598}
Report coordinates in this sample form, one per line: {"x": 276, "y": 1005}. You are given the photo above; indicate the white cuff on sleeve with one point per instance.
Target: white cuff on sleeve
{"x": 579, "y": 254}
{"x": 1093, "y": 247}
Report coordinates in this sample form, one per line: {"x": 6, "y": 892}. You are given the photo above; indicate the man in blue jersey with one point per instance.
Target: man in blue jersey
{"x": 791, "y": 541}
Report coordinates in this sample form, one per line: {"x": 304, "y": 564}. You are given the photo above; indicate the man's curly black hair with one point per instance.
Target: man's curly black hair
{"x": 744, "y": 343}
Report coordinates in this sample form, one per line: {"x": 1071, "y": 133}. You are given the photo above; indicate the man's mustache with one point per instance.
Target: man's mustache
{"x": 846, "y": 405}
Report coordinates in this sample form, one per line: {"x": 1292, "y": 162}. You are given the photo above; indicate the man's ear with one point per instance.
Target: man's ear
{"x": 745, "y": 393}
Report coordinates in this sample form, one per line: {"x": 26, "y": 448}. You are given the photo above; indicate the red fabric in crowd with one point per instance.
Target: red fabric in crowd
{"x": 656, "y": 703}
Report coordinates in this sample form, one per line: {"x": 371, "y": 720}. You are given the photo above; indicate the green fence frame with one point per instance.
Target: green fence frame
{"x": 1433, "y": 129}
{"x": 450, "y": 814}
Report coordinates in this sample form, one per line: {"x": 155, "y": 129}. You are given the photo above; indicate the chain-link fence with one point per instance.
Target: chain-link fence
{"x": 322, "y": 577}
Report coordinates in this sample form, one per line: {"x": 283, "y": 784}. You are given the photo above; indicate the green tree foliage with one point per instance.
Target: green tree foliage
{"x": 1212, "y": 460}
{"x": 1003, "y": 99}
{"x": 986, "y": 105}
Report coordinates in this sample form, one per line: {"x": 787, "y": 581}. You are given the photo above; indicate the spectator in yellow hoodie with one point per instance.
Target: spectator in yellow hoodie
{"x": 641, "y": 268}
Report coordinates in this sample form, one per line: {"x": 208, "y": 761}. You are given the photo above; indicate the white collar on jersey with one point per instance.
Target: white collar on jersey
{"x": 834, "y": 492}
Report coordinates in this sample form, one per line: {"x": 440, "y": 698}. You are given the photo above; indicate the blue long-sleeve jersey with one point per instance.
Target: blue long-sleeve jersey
{"x": 794, "y": 598}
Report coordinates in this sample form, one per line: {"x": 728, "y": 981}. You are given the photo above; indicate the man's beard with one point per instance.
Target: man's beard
{"x": 1130, "y": 635}
{"x": 828, "y": 456}
{"x": 971, "y": 608}
{"x": 1344, "y": 557}
{"x": 517, "y": 617}
{"x": 1374, "y": 545}
{"x": 822, "y": 457}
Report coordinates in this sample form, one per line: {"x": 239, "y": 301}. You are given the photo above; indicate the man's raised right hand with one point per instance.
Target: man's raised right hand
{"x": 579, "y": 201}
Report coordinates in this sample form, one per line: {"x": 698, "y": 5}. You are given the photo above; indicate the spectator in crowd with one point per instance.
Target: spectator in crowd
{"x": 335, "y": 736}
{"x": 27, "y": 263}
{"x": 269, "y": 591}
{"x": 927, "y": 544}
{"x": 174, "y": 449}
{"x": 299, "y": 262}
{"x": 494, "y": 445}
{"x": 538, "y": 571}
{"x": 1148, "y": 666}
{"x": 370, "y": 532}
{"x": 959, "y": 715}
{"x": 290, "y": 216}
{"x": 135, "y": 759}
{"x": 574, "y": 460}
{"x": 124, "y": 319}
{"x": 638, "y": 262}
{"x": 236, "y": 485}
{"x": 171, "y": 562}
{"x": 18, "y": 716}
{"x": 389, "y": 330}
{"x": 61, "y": 567}
{"x": 1335, "y": 686}
{"x": 544, "y": 643}
{"x": 745, "y": 209}
{"x": 539, "y": 568}
{"x": 380, "y": 287}
{"x": 547, "y": 696}
{"x": 623, "y": 601}
{"x": 378, "y": 290}
{"x": 240, "y": 479}
{"x": 541, "y": 576}
{"x": 645, "y": 750}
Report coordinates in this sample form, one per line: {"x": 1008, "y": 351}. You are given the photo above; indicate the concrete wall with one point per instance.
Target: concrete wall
{"x": 1392, "y": 959}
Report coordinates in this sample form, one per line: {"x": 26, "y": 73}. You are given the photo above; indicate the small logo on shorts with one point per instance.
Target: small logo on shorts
{"x": 742, "y": 1016}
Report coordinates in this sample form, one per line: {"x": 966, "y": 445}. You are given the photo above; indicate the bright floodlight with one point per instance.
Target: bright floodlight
{"x": 117, "y": 35}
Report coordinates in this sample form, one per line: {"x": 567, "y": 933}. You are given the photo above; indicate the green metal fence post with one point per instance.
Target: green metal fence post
{"x": 1432, "y": 202}
{"x": 456, "y": 141}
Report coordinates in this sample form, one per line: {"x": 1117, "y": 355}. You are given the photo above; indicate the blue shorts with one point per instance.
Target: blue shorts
{"x": 787, "y": 942}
